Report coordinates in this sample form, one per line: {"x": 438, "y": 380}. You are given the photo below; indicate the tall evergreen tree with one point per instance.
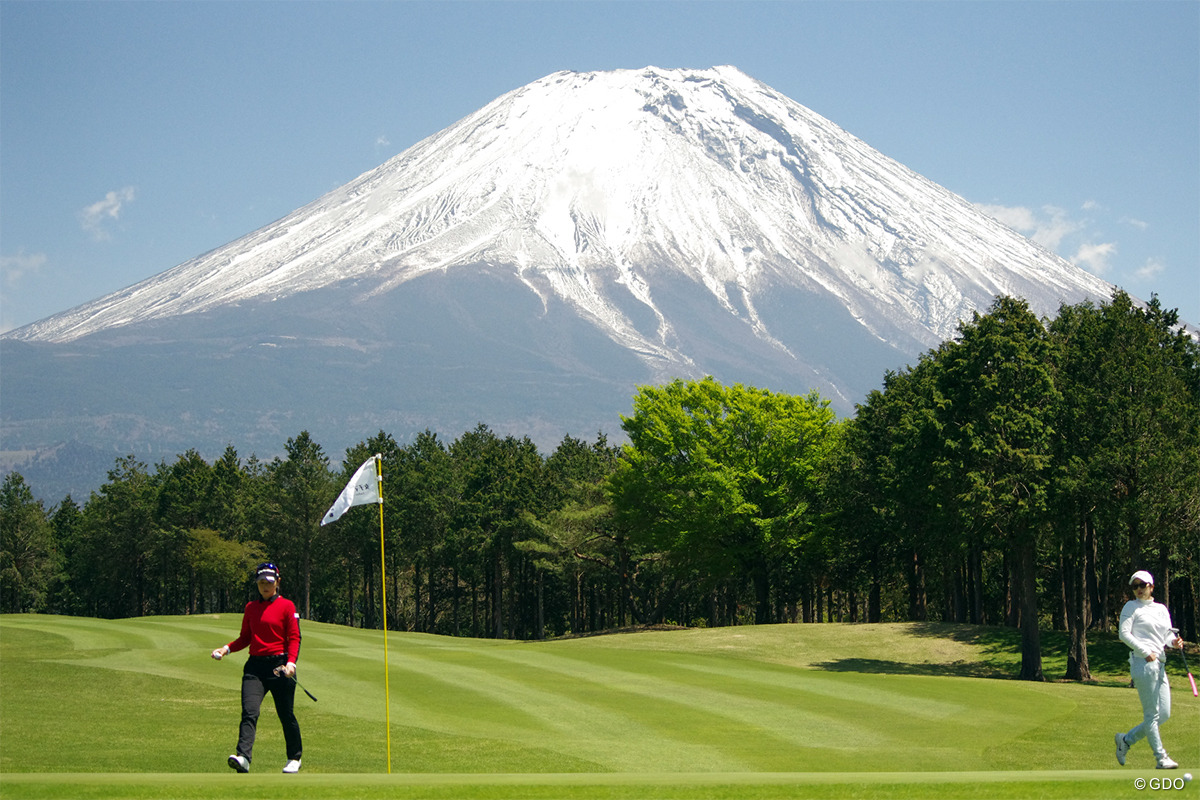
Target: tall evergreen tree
{"x": 575, "y": 535}
{"x": 118, "y": 543}
{"x": 1126, "y": 453}
{"x": 499, "y": 482}
{"x": 426, "y": 496}
{"x": 65, "y": 523}
{"x": 896, "y": 438}
{"x": 996, "y": 397}
{"x": 301, "y": 489}
{"x": 27, "y": 562}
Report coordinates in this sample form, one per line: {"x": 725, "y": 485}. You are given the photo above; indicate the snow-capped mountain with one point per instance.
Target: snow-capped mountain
{"x": 583, "y": 183}
{"x": 587, "y": 229}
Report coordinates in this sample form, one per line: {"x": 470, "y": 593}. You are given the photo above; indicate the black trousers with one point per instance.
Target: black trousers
{"x": 258, "y": 678}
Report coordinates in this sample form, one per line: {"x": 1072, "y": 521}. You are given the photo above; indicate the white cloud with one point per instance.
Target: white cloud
{"x": 1018, "y": 218}
{"x": 382, "y": 141}
{"x": 1089, "y": 237}
{"x": 1094, "y": 257}
{"x": 1046, "y": 226}
{"x": 14, "y": 268}
{"x": 1151, "y": 269}
{"x": 98, "y": 214}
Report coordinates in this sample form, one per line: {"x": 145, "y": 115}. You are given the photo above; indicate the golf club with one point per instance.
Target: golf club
{"x": 1188, "y": 670}
{"x": 279, "y": 671}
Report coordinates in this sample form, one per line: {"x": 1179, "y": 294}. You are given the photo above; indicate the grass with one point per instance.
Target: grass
{"x": 135, "y": 708}
{"x": 746, "y": 786}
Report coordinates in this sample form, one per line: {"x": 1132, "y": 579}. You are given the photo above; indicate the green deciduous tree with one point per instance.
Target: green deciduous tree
{"x": 721, "y": 478}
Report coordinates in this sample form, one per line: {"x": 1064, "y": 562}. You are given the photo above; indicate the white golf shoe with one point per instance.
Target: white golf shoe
{"x": 239, "y": 763}
{"x": 292, "y": 766}
{"x": 1167, "y": 763}
{"x": 1122, "y": 748}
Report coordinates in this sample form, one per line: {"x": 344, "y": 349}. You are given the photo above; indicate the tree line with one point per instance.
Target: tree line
{"x": 1015, "y": 475}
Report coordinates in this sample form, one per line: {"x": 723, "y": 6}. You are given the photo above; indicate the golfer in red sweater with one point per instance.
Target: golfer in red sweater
{"x": 271, "y": 629}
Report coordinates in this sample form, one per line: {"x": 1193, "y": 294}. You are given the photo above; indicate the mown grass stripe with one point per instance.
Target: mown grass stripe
{"x": 776, "y": 699}
{"x": 580, "y": 715}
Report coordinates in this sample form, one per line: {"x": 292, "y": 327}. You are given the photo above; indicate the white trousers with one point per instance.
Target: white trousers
{"x": 1150, "y": 680}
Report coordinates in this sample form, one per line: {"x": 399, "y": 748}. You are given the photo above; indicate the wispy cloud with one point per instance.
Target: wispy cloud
{"x": 1047, "y": 226}
{"x": 1151, "y": 269}
{"x": 1095, "y": 257}
{"x": 98, "y": 215}
{"x": 382, "y": 141}
{"x": 15, "y": 267}
{"x": 1083, "y": 237}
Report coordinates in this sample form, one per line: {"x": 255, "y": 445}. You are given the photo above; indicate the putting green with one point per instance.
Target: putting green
{"x": 765, "y": 711}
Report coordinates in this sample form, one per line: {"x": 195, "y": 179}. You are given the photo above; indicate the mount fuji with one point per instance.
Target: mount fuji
{"x": 528, "y": 267}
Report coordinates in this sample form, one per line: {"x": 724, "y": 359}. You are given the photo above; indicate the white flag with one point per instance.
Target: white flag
{"x": 363, "y": 488}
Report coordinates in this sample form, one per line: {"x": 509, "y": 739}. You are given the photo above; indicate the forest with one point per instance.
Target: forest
{"x": 1016, "y": 475}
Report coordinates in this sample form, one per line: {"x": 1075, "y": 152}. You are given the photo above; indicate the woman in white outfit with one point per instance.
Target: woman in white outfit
{"x": 1146, "y": 629}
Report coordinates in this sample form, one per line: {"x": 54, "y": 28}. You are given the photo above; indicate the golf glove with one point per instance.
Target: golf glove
{"x": 220, "y": 653}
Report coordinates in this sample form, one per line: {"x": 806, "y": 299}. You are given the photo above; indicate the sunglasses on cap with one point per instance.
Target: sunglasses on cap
{"x": 266, "y": 570}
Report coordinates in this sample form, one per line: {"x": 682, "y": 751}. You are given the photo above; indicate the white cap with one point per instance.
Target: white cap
{"x": 1143, "y": 576}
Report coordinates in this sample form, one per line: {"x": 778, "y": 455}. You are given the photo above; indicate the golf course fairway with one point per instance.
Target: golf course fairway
{"x": 135, "y": 708}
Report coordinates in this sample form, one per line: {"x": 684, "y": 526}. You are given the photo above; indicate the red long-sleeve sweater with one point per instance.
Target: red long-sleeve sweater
{"x": 270, "y": 628}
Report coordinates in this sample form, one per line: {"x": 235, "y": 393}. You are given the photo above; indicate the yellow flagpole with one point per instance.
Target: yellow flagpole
{"x": 387, "y": 695}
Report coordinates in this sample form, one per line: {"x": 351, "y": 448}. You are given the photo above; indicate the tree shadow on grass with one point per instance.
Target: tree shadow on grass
{"x": 962, "y": 669}
{"x": 998, "y": 655}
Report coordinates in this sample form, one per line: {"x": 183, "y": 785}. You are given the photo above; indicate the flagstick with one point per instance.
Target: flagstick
{"x": 387, "y": 694}
{"x": 358, "y": 492}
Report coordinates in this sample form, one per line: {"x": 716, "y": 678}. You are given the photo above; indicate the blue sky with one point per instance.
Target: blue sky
{"x": 134, "y": 136}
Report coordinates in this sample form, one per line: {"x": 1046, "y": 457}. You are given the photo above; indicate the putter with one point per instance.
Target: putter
{"x": 1186, "y": 669}
{"x": 279, "y": 672}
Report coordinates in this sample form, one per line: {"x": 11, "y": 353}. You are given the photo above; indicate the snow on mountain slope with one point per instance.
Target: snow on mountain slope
{"x": 593, "y": 188}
